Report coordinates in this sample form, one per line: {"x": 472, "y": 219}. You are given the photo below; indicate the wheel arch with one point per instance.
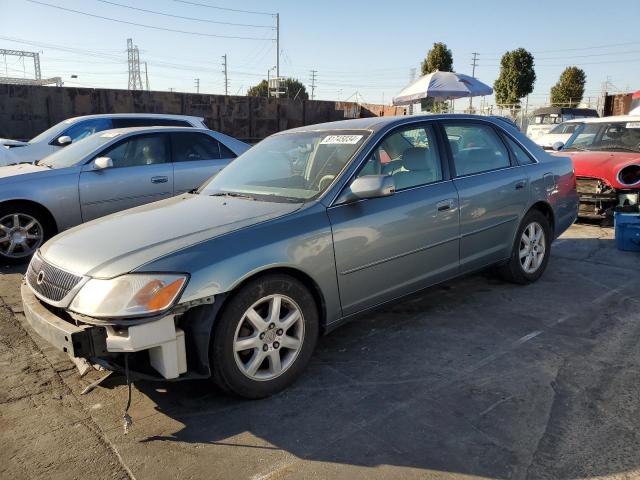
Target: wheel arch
{"x": 40, "y": 207}
{"x": 546, "y": 209}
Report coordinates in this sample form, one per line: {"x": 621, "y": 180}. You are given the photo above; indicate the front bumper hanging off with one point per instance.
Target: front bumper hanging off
{"x": 161, "y": 338}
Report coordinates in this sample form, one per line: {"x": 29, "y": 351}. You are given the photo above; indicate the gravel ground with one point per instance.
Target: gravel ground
{"x": 474, "y": 378}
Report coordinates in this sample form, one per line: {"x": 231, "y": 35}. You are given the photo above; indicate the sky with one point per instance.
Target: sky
{"x": 360, "y": 49}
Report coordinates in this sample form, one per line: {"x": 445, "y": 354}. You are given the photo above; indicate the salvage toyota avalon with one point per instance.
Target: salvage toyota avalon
{"x": 304, "y": 231}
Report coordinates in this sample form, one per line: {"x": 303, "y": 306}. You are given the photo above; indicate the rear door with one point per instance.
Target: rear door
{"x": 196, "y": 157}
{"x": 141, "y": 173}
{"x": 493, "y": 192}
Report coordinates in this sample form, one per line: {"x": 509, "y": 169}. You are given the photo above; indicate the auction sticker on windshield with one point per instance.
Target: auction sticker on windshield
{"x": 633, "y": 124}
{"x": 341, "y": 139}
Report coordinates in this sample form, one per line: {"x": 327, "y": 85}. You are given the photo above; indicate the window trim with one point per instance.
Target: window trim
{"x": 533, "y": 159}
{"x": 410, "y": 126}
{"x": 114, "y": 145}
{"x": 513, "y": 163}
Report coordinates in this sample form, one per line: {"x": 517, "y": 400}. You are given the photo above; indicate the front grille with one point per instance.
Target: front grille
{"x": 588, "y": 185}
{"x": 55, "y": 283}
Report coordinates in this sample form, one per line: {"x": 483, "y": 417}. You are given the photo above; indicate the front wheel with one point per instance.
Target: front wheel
{"x": 264, "y": 337}
{"x": 23, "y": 229}
{"x": 531, "y": 250}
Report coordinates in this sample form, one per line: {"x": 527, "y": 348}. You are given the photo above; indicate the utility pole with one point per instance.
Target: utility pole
{"x": 474, "y": 63}
{"x": 197, "y": 83}
{"x": 412, "y": 77}
{"x": 226, "y": 78}
{"x": 278, "y": 45}
{"x": 313, "y": 83}
{"x": 146, "y": 75}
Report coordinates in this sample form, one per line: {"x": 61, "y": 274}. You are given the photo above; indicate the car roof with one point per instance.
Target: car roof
{"x": 135, "y": 115}
{"x": 616, "y": 118}
{"x": 378, "y": 123}
{"x": 114, "y": 132}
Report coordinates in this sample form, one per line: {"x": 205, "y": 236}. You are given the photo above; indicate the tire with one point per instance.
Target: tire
{"x": 515, "y": 270}
{"x": 234, "y": 366}
{"x": 31, "y": 222}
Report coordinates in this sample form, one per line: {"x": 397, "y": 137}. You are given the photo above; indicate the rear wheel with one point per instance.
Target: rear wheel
{"x": 23, "y": 228}
{"x": 531, "y": 250}
{"x": 265, "y": 337}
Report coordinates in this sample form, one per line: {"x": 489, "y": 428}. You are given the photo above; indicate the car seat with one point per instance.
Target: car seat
{"x": 419, "y": 166}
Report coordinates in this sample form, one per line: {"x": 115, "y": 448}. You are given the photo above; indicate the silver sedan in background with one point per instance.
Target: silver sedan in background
{"x": 101, "y": 174}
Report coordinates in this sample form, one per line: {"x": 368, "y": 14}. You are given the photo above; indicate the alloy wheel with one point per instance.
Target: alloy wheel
{"x": 532, "y": 247}
{"x": 268, "y": 337}
{"x": 20, "y": 235}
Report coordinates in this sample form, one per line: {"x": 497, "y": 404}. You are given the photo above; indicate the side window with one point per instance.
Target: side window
{"x": 476, "y": 148}
{"x": 87, "y": 127}
{"x": 189, "y": 147}
{"x": 522, "y": 157}
{"x": 138, "y": 151}
{"x": 410, "y": 155}
{"x": 226, "y": 152}
{"x": 125, "y": 122}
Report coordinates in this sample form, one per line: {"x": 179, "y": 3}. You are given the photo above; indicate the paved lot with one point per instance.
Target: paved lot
{"x": 476, "y": 378}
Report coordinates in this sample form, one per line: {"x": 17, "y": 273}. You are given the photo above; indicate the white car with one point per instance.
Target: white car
{"x": 77, "y": 128}
{"x": 559, "y": 133}
{"x": 6, "y": 156}
{"x": 544, "y": 119}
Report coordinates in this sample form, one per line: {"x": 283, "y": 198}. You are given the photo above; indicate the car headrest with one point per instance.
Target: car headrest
{"x": 415, "y": 158}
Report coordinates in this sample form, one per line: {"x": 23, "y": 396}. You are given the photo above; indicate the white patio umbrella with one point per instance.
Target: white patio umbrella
{"x": 442, "y": 86}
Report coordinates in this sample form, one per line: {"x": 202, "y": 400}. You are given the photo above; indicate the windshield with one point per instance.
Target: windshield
{"x": 51, "y": 133}
{"x": 294, "y": 167}
{"x": 565, "y": 128}
{"x": 618, "y": 136}
{"x": 77, "y": 151}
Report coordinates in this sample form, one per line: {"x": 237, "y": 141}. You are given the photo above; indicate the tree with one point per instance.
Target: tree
{"x": 438, "y": 58}
{"x": 292, "y": 87}
{"x": 516, "y": 78}
{"x": 569, "y": 90}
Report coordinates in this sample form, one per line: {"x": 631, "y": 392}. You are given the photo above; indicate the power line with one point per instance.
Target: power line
{"x": 184, "y": 18}
{"x": 223, "y": 8}
{"x": 153, "y": 27}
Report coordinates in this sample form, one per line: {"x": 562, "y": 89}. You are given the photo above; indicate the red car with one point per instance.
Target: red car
{"x": 606, "y": 157}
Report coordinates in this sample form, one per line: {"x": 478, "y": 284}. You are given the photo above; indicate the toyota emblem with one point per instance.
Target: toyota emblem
{"x": 40, "y": 277}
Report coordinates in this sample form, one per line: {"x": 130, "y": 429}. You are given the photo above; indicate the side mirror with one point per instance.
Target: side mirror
{"x": 557, "y": 146}
{"x": 64, "y": 140}
{"x": 101, "y": 163}
{"x": 369, "y": 186}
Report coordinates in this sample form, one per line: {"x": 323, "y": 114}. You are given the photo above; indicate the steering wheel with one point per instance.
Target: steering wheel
{"x": 325, "y": 182}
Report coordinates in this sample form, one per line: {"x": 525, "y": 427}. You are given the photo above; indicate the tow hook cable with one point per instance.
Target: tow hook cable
{"x": 128, "y": 421}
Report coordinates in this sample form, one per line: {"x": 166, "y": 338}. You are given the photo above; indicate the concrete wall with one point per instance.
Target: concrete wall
{"x": 27, "y": 110}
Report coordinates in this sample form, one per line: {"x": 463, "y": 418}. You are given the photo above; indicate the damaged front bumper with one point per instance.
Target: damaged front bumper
{"x": 159, "y": 339}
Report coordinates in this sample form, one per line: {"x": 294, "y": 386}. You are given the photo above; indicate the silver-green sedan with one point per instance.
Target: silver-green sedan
{"x": 301, "y": 233}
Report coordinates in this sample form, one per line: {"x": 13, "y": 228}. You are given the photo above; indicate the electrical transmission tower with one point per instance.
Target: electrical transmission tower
{"x": 37, "y": 80}
{"x": 226, "y": 77}
{"x": 313, "y": 83}
{"x": 197, "y": 84}
{"x": 133, "y": 57}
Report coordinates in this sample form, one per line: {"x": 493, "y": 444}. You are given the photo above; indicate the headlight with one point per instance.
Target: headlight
{"x": 128, "y": 295}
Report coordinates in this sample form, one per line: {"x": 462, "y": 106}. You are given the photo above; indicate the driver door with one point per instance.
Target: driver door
{"x": 391, "y": 246}
{"x": 141, "y": 173}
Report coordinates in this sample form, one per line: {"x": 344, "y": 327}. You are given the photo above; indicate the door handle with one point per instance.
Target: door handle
{"x": 445, "y": 205}
{"x": 521, "y": 184}
{"x": 159, "y": 179}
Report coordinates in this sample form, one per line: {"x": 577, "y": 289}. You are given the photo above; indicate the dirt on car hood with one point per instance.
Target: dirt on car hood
{"x": 119, "y": 243}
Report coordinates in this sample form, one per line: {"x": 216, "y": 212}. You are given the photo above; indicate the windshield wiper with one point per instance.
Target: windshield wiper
{"x": 232, "y": 194}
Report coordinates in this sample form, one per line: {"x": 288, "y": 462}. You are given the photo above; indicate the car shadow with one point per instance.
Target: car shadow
{"x": 475, "y": 376}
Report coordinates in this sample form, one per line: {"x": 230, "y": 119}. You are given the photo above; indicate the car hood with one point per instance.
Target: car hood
{"x": 603, "y": 165}
{"x": 548, "y": 139}
{"x": 10, "y": 171}
{"x": 121, "y": 242}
